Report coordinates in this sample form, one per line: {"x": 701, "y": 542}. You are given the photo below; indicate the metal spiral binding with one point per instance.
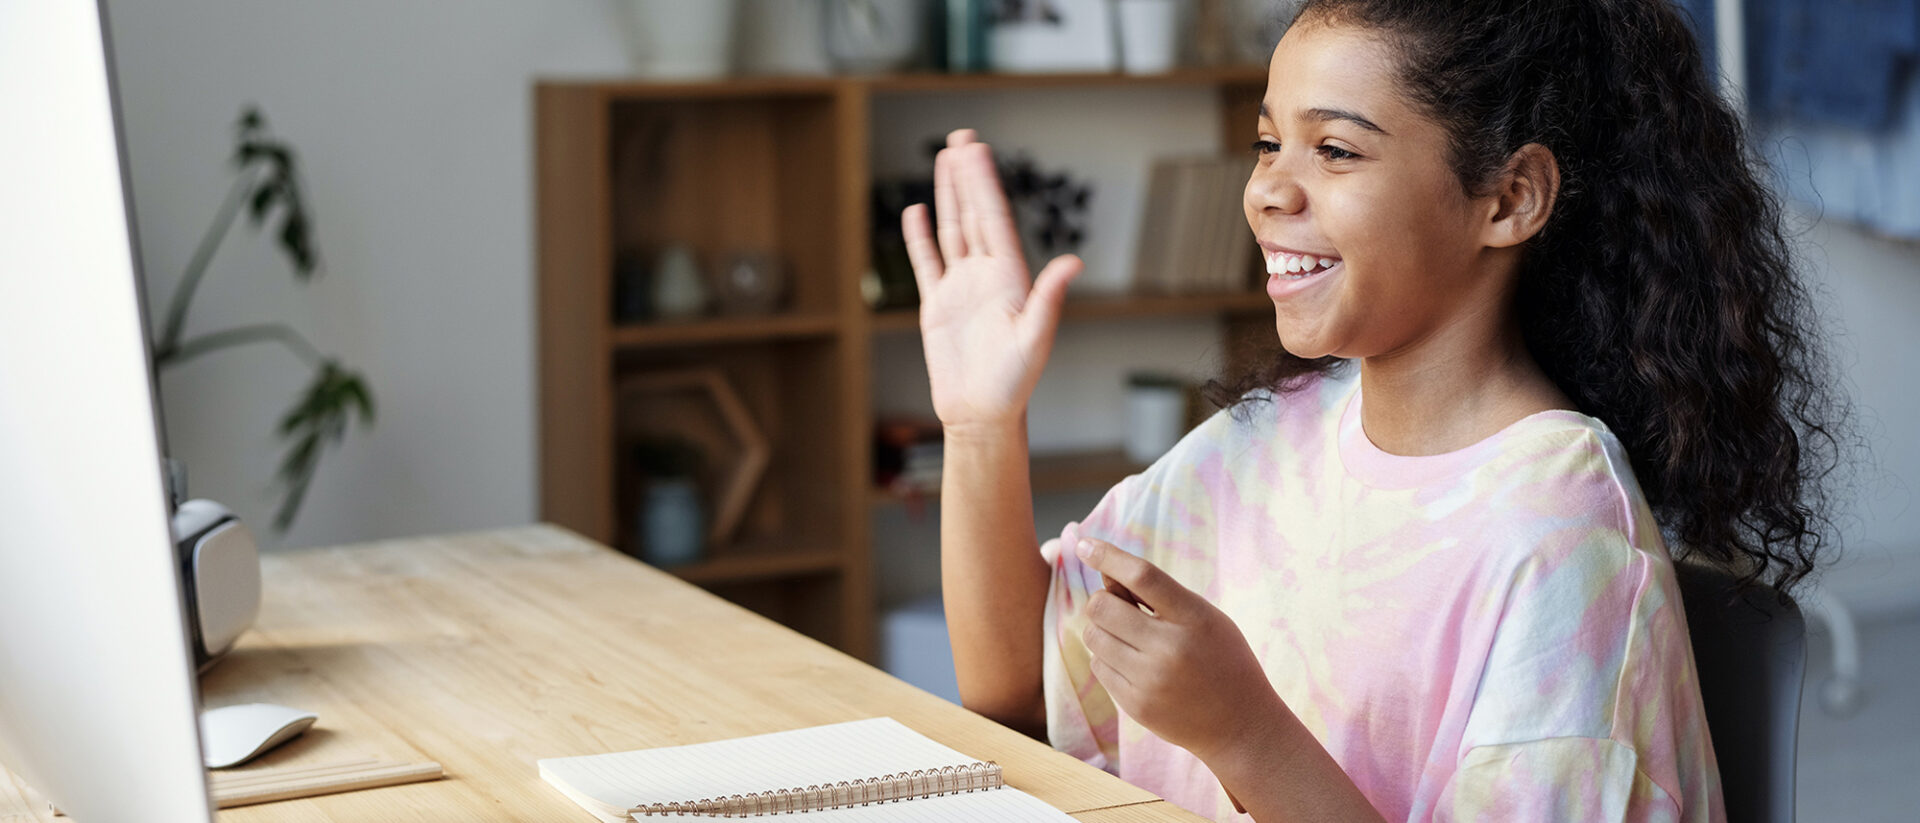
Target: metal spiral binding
{"x": 891, "y": 788}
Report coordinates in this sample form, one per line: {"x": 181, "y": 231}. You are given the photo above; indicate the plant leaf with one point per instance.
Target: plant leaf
{"x": 320, "y": 417}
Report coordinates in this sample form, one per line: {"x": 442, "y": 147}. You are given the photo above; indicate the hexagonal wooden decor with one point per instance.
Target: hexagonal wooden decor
{"x": 700, "y": 405}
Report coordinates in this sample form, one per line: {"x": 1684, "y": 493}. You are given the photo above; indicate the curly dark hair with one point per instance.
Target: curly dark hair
{"x": 1661, "y": 296}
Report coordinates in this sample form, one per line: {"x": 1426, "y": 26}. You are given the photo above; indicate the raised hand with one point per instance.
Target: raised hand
{"x": 986, "y": 328}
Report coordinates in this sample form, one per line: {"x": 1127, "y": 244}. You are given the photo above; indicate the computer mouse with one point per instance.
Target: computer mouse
{"x": 236, "y": 734}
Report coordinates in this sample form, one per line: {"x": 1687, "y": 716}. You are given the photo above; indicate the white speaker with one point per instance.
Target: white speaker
{"x": 221, "y": 567}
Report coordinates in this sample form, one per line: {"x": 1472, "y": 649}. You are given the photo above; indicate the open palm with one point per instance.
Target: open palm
{"x": 987, "y": 329}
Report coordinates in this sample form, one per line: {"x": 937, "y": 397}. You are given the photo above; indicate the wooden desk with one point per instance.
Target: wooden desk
{"x": 486, "y": 652}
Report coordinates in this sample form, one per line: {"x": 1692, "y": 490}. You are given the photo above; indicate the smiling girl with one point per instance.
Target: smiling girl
{"x": 1432, "y": 583}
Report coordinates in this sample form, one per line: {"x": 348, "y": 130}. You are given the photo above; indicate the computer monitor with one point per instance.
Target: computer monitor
{"x": 98, "y": 707}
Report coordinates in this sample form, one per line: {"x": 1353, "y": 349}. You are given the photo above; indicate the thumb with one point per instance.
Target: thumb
{"x": 1041, "y": 316}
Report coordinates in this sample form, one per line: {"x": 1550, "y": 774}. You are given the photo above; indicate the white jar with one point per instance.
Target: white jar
{"x": 679, "y": 290}
{"x": 1149, "y": 35}
{"x": 1156, "y": 416}
{"x": 681, "y": 39}
{"x": 782, "y": 37}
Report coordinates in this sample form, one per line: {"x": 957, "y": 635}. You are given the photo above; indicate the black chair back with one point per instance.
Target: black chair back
{"x": 1751, "y": 653}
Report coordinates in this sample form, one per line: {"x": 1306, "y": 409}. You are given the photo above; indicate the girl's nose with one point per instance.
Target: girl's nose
{"x": 1272, "y": 189}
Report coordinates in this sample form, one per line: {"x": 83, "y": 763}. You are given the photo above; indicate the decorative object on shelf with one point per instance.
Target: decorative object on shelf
{"x": 783, "y": 37}
{"x": 679, "y": 290}
{"x": 681, "y": 40}
{"x": 1156, "y": 415}
{"x": 1050, "y": 36}
{"x": 1149, "y": 35}
{"x": 1254, "y": 27}
{"x": 750, "y": 283}
{"x": 892, "y": 285}
{"x": 268, "y": 184}
{"x": 875, "y": 36}
{"x": 701, "y": 407}
{"x": 966, "y": 34}
{"x": 1050, "y": 207}
{"x": 671, "y": 519}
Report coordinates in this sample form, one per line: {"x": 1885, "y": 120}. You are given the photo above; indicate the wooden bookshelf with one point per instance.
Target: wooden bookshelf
{"x": 626, "y": 167}
{"x": 1116, "y": 307}
{"x": 724, "y": 330}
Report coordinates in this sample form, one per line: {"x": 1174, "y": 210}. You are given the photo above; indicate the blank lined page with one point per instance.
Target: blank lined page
{"x": 782, "y": 760}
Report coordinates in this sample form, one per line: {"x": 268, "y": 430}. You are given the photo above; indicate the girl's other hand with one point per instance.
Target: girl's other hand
{"x": 1184, "y": 670}
{"x": 987, "y": 330}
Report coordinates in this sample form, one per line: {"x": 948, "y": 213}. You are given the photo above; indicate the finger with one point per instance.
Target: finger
{"x": 1105, "y": 672}
{"x": 1153, "y": 587}
{"x": 1110, "y": 647}
{"x": 946, "y": 207}
{"x": 1122, "y": 618}
{"x": 1125, "y": 594}
{"x": 966, "y": 182}
{"x": 982, "y": 197}
{"x": 961, "y": 137}
{"x": 1040, "y": 319}
{"x": 921, "y": 249}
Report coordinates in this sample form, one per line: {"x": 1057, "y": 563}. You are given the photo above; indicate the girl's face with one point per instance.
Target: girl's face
{"x": 1353, "y": 181}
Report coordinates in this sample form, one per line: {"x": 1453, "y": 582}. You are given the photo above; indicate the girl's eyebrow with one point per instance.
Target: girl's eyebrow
{"x": 1328, "y": 115}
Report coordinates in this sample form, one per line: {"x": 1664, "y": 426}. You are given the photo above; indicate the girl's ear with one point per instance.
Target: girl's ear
{"x": 1524, "y": 197}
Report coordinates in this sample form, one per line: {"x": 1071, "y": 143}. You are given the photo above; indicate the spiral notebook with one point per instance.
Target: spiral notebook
{"x": 866, "y": 770}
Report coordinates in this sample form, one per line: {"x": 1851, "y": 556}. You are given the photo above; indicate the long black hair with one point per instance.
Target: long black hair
{"x": 1662, "y": 295}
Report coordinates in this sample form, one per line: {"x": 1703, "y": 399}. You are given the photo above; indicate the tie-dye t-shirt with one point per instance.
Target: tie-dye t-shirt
{"x": 1489, "y": 634}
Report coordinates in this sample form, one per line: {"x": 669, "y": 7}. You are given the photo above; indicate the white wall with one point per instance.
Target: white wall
{"x": 414, "y": 130}
{"x": 1871, "y": 299}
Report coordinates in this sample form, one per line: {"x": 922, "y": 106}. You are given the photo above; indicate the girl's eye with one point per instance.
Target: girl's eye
{"x": 1332, "y": 152}
{"x": 1265, "y": 147}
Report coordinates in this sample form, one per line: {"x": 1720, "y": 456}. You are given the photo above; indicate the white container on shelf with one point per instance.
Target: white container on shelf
{"x": 875, "y": 36}
{"x": 1149, "y": 35}
{"x": 681, "y": 40}
{"x": 1156, "y": 416}
{"x": 782, "y": 37}
{"x": 1072, "y": 36}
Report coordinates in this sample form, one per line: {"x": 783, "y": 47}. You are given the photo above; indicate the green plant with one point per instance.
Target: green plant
{"x": 267, "y": 184}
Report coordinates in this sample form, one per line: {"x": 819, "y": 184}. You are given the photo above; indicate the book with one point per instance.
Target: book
{"x": 864, "y": 771}
{"x": 1237, "y": 243}
{"x": 1176, "y": 275}
{"x": 1193, "y": 236}
{"x": 1152, "y": 241}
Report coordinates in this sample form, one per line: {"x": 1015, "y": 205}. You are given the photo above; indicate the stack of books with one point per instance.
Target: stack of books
{"x": 1193, "y": 235}
{"x": 909, "y": 456}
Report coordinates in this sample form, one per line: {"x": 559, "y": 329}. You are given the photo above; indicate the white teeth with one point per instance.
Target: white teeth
{"x": 1298, "y": 264}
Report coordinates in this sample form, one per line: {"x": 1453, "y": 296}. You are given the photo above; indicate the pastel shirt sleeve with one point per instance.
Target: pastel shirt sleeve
{"x": 1582, "y": 710}
{"x": 1082, "y": 719}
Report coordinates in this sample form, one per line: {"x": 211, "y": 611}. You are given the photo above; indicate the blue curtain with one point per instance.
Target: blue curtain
{"x": 1833, "y": 94}
{"x": 1835, "y": 104}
